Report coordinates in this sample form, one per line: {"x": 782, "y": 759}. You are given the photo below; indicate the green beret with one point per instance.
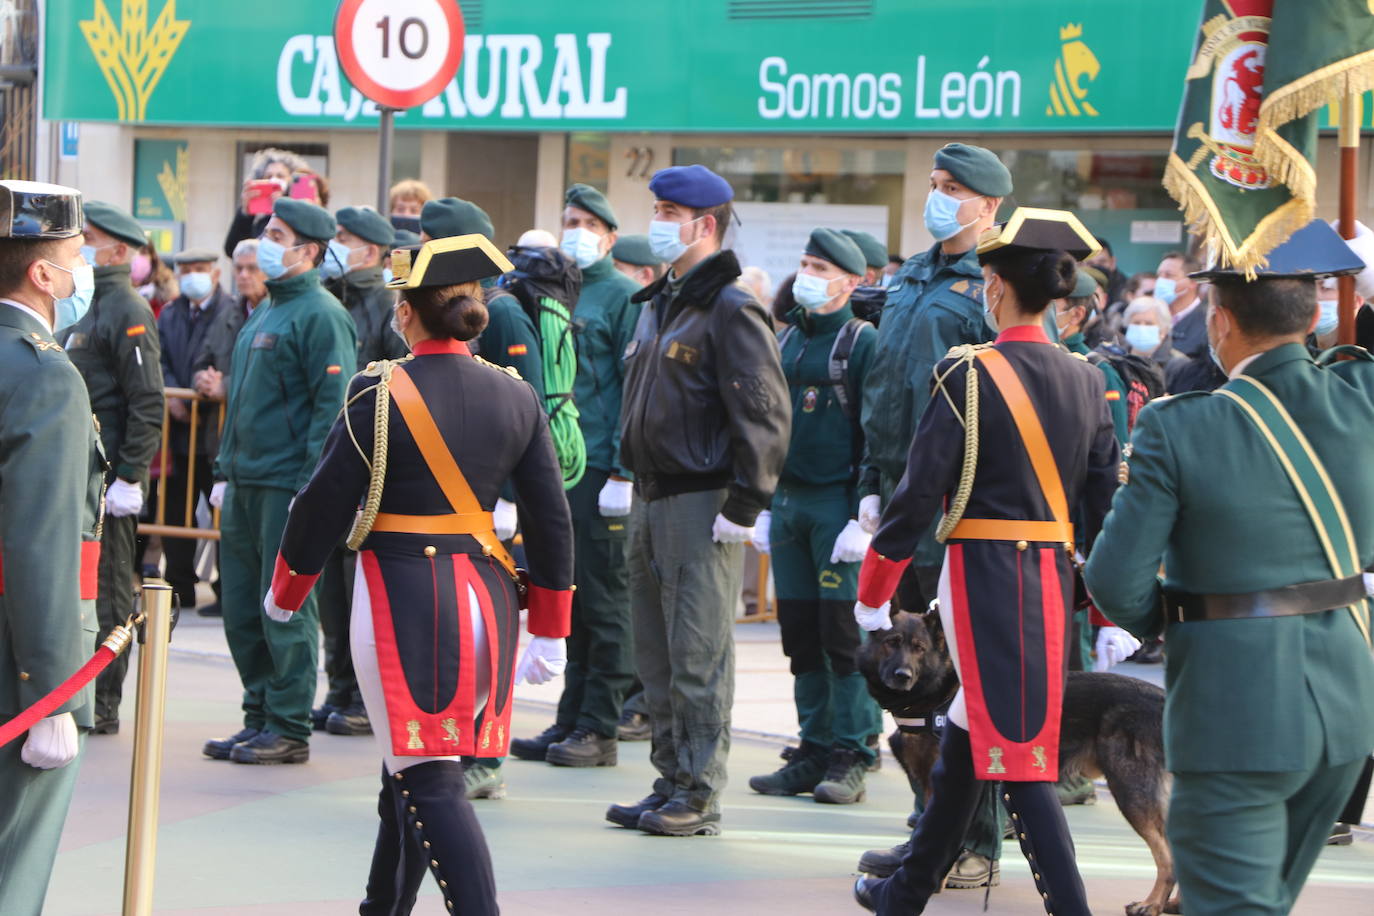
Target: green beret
{"x": 450, "y": 216}
{"x": 368, "y": 225}
{"x": 405, "y": 238}
{"x": 115, "y": 222}
{"x": 1083, "y": 286}
{"x": 837, "y": 248}
{"x": 307, "y": 220}
{"x": 196, "y": 256}
{"x": 875, "y": 252}
{"x": 976, "y": 168}
{"x": 634, "y": 249}
{"x": 586, "y": 197}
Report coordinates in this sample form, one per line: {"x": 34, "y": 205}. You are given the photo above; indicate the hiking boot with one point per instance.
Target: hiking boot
{"x": 319, "y": 716}
{"x": 270, "y": 748}
{"x": 680, "y": 819}
{"x": 634, "y": 726}
{"x": 1077, "y": 790}
{"x": 972, "y": 870}
{"x": 883, "y": 862}
{"x": 221, "y": 748}
{"x": 583, "y": 748}
{"x": 844, "y": 778}
{"x": 483, "y": 782}
{"x": 628, "y": 815}
{"x": 876, "y": 763}
{"x": 804, "y": 768}
{"x": 1340, "y": 836}
{"x": 351, "y": 720}
{"x": 535, "y": 748}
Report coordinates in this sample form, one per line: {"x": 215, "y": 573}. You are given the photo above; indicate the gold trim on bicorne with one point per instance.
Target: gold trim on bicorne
{"x": 1004, "y": 235}
{"x": 1338, "y": 570}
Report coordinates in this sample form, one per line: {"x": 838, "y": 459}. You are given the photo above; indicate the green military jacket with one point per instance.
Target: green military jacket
{"x": 369, "y": 303}
{"x": 51, "y": 483}
{"x": 510, "y": 338}
{"x": 1116, "y": 387}
{"x": 1208, "y": 498}
{"x": 115, "y": 346}
{"x": 604, "y": 320}
{"x": 290, "y": 370}
{"x": 823, "y": 449}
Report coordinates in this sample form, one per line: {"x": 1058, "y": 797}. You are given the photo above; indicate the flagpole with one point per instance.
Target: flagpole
{"x": 1349, "y": 139}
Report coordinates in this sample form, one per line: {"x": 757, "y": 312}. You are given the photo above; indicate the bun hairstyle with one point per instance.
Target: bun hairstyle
{"x": 1039, "y": 277}
{"x": 458, "y": 311}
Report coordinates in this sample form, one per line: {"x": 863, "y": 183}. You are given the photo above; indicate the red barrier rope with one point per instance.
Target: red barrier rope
{"x": 114, "y": 644}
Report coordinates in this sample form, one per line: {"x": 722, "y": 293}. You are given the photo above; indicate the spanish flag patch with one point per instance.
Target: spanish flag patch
{"x": 333, "y": 370}
{"x": 136, "y": 331}
{"x": 1113, "y": 395}
{"x": 517, "y": 350}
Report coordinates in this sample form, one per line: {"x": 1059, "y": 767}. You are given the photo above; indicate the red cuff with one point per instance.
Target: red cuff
{"x": 550, "y": 612}
{"x": 1097, "y": 618}
{"x": 878, "y": 578}
{"x": 90, "y": 570}
{"x": 290, "y": 588}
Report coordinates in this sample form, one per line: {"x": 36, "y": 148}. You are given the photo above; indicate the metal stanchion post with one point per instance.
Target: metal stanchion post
{"x": 140, "y": 855}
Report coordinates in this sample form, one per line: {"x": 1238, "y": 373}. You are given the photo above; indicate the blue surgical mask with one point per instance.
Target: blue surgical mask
{"x": 68, "y": 310}
{"x": 989, "y": 318}
{"x": 1212, "y": 352}
{"x": 387, "y": 275}
{"x": 942, "y": 215}
{"x": 335, "y": 263}
{"x": 665, "y": 239}
{"x": 195, "y": 286}
{"x": 1143, "y": 338}
{"x": 811, "y": 292}
{"x": 582, "y": 245}
{"x": 1166, "y": 290}
{"x": 88, "y": 252}
{"x": 270, "y": 256}
{"x": 1329, "y": 319}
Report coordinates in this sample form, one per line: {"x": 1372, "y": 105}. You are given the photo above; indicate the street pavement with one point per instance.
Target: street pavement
{"x": 273, "y": 841}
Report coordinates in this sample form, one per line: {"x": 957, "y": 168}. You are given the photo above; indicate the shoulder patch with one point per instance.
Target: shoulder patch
{"x": 517, "y": 350}
{"x": 973, "y": 289}
{"x": 137, "y": 330}
{"x": 42, "y": 345}
{"x": 509, "y": 370}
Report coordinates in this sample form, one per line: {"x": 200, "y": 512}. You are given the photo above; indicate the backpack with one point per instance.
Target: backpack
{"x": 1143, "y": 377}
{"x": 868, "y": 302}
{"x": 846, "y": 394}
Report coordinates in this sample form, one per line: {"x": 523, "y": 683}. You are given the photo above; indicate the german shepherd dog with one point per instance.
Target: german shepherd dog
{"x": 1112, "y": 727}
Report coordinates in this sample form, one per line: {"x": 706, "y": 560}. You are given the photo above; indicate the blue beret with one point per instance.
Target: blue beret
{"x": 875, "y": 252}
{"x": 306, "y": 219}
{"x": 634, "y": 249}
{"x": 115, "y": 222}
{"x": 975, "y": 168}
{"x": 693, "y": 186}
{"x": 368, "y": 225}
{"x": 837, "y": 248}
{"x": 586, "y": 197}
{"x": 450, "y": 216}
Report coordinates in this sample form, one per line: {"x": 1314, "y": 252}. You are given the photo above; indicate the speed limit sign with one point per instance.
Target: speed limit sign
{"x": 399, "y": 53}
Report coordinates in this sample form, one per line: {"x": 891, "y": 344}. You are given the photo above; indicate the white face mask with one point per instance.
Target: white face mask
{"x": 582, "y": 245}
{"x": 812, "y": 292}
{"x": 989, "y": 305}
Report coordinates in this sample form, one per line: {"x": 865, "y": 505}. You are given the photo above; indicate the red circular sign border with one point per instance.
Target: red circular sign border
{"x": 393, "y": 98}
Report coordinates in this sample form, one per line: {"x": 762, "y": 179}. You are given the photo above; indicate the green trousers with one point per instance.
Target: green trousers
{"x": 276, "y": 661}
{"x": 684, "y": 589}
{"x": 816, "y": 616}
{"x": 113, "y": 604}
{"x": 601, "y": 645}
{"x": 33, "y": 807}
{"x": 1244, "y": 843}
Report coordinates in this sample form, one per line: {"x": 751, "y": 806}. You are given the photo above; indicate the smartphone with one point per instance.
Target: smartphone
{"x": 303, "y": 187}
{"x": 260, "y": 195}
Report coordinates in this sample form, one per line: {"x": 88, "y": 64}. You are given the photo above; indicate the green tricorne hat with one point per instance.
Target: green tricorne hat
{"x": 976, "y": 168}
{"x": 837, "y": 248}
{"x": 307, "y": 220}
{"x": 586, "y": 197}
{"x": 874, "y": 251}
{"x": 368, "y": 225}
{"x": 634, "y": 249}
{"x": 450, "y": 216}
{"x": 115, "y": 222}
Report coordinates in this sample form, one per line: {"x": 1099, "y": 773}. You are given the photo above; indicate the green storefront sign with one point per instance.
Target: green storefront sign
{"x": 869, "y": 66}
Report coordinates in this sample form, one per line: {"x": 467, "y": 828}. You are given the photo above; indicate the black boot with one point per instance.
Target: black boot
{"x": 438, "y": 814}
{"x": 583, "y": 748}
{"x": 398, "y": 862}
{"x": 1044, "y": 836}
{"x": 628, "y": 815}
{"x": 350, "y": 720}
{"x": 535, "y": 748}
{"x": 221, "y": 748}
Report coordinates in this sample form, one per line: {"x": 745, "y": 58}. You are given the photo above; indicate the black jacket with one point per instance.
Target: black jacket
{"x": 217, "y": 352}
{"x": 369, "y": 304}
{"x": 705, "y": 401}
{"x": 182, "y": 341}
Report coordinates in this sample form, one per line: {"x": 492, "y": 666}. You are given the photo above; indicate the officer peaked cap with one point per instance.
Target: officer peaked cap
{"x": 116, "y": 223}
{"x": 837, "y": 248}
{"x": 37, "y": 210}
{"x": 693, "y": 186}
{"x": 975, "y": 168}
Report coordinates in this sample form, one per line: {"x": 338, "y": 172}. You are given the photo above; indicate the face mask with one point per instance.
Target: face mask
{"x": 1329, "y": 319}
{"x": 88, "y": 252}
{"x": 139, "y": 268}
{"x": 942, "y": 215}
{"x": 68, "y": 310}
{"x": 811, "y": 292}
{"x": 665, "y": 239}
{"x": 335, "y": 263}
{"x": 408, "y": 223}
{"x": 195, "y": 286}
{"x": 582, "y": 245}
{"x": 988, "y": 315}
{"x": 1143, "y": 337}
{"x": 270, "y": 256}
{"x": 1166, "y": 290}
{"x": 387, "y": 276}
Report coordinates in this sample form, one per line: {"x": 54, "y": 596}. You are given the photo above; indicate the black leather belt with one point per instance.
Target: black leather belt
{"x": 1306, "y": 598}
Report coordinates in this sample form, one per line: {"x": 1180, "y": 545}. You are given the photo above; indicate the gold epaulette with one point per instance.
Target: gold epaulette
{"x": 509, "y": 370}
{"x": 374, "y": 368}
{"x": 965, "y": 351}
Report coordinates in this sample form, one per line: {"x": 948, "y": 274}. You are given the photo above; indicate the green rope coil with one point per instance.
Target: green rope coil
{"x": 951, "y": 519}
{"x": 559, "y": 355}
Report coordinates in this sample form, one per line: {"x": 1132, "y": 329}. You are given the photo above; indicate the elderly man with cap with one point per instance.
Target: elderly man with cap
{"x": 600, "y": 649}
{"x": 290, "y": 368}
{"x": 352, "y": 271}
{"x": 704, "y": 429}
{"x": 115, "y": 345}
{"x": 51, "y": 477}
{"x": 635, "y": 259}
{"x": 813, "y": 532}
{"x": 182, "y": 329}
{"x": 1248, "y": 500}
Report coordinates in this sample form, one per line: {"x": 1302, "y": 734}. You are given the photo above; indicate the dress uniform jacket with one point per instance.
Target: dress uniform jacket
{"x": 1011, "y": 595}
{"x": 369, "y": 303}
{"x": 418, "y": 583}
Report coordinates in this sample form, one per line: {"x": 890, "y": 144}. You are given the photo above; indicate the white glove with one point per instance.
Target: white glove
{"x": 123, "y": 498}
{"x": 279, "y": 614}
{"x": 873, "y": 618}
{"x": 217, "y": 494}
{"x": 544, "y": 659}
{"x": 505, "y": 519}
{"x": 1114, "y": 645}
{"x": 763, "y": 528}
{"x": 52, "y": 743}
{"x": 851, "y": 545}
{"x": 1369, "y": 584}
{"x": 724, "y": 531}
{"x": 870, "y": 513}
{"x": 615, "y": 499}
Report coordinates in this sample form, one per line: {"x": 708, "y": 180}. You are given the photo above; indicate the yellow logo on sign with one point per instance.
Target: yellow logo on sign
{"x": 176, "y": 183}
{"x": 1077, "y": 64}
{"x": 131, "y": 55}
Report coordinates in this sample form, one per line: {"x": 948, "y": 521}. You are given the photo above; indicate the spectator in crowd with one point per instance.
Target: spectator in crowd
{"x": 1096, "y": 331}
{"x": 868, "y": 300}
{"x": 1146, "y": 326}
{"x": 115, "y": 346}
{"x": 183, "y": 327}
{"x": 1105, "y": 261}
{"x": 406, "y": 201}
{"x": 635, "y": 259}
{"x": 256, "y": 199}
{"x": 1182, "y": 295}
{"x": 890, "y": 269}
{"x": 1141, "y": 284}
{"x": 758, "y": 282}
{"x": 784, "y": 303}
{"x": 153, "y": 278}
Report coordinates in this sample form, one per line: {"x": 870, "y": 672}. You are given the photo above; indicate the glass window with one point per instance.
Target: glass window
{"x": 589, "y": 159}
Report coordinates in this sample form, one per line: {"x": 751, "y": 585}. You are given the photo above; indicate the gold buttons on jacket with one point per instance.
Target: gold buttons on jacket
{"x": 487, "y": 551}
{"x": 23, "y": 675}
{"x": 293, "y": 573}
{"x": 430, "y": 551}
{"x": 1021, "y": 545}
